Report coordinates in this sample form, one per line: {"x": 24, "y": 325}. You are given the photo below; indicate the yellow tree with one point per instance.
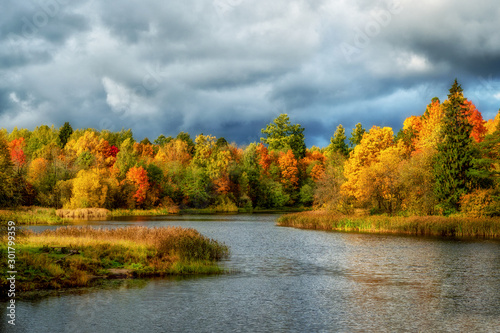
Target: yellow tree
{"x": 492, "y": 124}
{"x": 362, "y": 157}
{"x": 37, "y": 170}
{"x": 89, "y": 189}
{"x": 428, "y": 135}
{"x": 175, "y": 151}
{"x": 379, "y": 181}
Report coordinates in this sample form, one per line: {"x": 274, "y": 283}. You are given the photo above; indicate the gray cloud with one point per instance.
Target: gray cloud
{"x": 228, "y": 67}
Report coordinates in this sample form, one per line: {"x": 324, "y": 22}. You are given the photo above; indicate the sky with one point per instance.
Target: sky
{"x": 229, "y": 67}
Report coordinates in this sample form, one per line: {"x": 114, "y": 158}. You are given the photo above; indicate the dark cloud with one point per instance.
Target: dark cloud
{"x": 229, "y": 67}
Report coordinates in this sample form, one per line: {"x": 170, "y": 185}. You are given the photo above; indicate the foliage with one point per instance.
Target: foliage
{"x": 356, "y": 135}
{"x": 436, "y": 164}
{"x": 6, "y": 174}
{"x": 452, "y": 164}
{"x": 16, "y": 148}
{"x": 64, "y": 133}
{"x": 481, "y": 202}
{"x": 337, "y": 142}
{"x": 139, "y": 178}
{"x": 366, "y": 153}
{"x": 89, "y": 189}
{"x": 281, "y": 135}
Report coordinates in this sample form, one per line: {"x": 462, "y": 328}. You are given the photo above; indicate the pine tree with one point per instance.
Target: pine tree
{"x": 356, "y": 135}
{"x": 337, "y": 142}
{"x": 453, "y": 161}
{"x": 281, "y": 135}
{"x": 64, "y": 133}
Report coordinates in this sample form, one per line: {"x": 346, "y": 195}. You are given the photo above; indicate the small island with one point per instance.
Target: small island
{"x": 70, "y": 257}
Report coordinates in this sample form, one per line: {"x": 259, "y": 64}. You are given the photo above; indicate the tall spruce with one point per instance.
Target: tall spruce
{"x": 64, "y": 133}
{"x": 337, "y": 142}
{"x": 453, "y": 160}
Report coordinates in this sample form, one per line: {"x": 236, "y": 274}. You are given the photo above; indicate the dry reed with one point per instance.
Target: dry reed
{"x": 415, "y": 225}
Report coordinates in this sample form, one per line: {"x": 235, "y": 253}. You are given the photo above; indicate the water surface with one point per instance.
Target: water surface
{"x": 292, "y": 280}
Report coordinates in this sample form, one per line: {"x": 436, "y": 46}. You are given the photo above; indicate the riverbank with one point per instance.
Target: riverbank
{"x": 70, "y": 257}
{"x": 31, "y": 216}
{"x": 51, "y": 216}
{"x": 461, "y": 227}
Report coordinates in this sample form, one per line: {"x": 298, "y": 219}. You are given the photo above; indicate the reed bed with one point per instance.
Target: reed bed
{"x": 462, "y": 227}
{"x": 82, "y": 256}
{"x": 83, "y": 213}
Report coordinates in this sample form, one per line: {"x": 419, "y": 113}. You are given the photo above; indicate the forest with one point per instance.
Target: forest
{"x": 444, "y": 161}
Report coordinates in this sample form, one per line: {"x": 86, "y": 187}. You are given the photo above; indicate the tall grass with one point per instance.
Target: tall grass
{"x": 144, "y": 212}
{"x": 83, "y": 213}
{"x": 31, "y": 215}
{"x": 414, "y": 225}
{"x": 77, "y": 256}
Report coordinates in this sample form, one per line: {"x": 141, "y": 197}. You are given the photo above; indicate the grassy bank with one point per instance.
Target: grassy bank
{"x": 80, "y": 256}
{"x": 32, "y": 215}
{"x": 415, "y": 225}
{"x": 143, "y": 212}
{"x": 51, "y": 216}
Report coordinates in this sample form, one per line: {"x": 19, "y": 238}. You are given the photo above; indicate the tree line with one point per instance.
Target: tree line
{"x": 442, "y": 162}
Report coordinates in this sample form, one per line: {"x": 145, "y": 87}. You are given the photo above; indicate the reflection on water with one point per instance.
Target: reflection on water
{"x": 293, "y": 280}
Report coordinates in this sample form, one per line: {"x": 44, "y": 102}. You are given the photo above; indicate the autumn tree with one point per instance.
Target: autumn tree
{"x": 16, "y": 148}
{"x": 492, "y": 124}
{"x": 417, "y": 180}
{"x": 139, "y": 178}
{"x": 41, "y": 141}
{"x": 281, "y": 135}
{"x": 126, "y": 158}
{"x": 184, "y": 136}
{"x": 6, "y": 174}
{"x": 366, "y": 153}
{"x": 476, "y": 121}
{"x": 453, "y": 162}
{"x": 428, "y": 128}
{"x": 89, "y": 189}
{"x": 328, "y": 192}
{"x": 289, "y": 170}
{"x": 379, "y": 181}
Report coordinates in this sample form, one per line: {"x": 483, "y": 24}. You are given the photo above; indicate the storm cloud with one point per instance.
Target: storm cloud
{"x": 229, "y": 67}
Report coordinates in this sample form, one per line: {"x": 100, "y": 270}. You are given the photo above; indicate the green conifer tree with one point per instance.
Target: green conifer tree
{"x": 281, "y": 135}
{"x": 337, "y": 142}
{"x": 64, "y": 133}
{"x": 453, "y": 161}
{"x": 356, "y": 135}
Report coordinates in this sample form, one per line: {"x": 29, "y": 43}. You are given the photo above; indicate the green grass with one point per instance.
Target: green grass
{"x": 70, "y": 257}
{"x": 142, "y": 212}
{"x": 31, "y": 215}
{"x": 462, "y": 227}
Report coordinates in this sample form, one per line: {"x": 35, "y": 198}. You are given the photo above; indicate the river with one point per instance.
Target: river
{"x": 291, "y": 280}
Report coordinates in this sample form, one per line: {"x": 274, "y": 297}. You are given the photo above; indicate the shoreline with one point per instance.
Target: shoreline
{"x": 76, "y": 257}
{"x": 437, "y": 226}
{"x": 51, "y": 216}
